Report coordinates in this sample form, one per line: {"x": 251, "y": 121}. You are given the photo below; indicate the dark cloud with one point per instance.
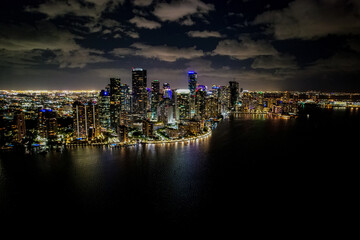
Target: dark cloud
{"x": 178, "y": 9}
{"x": 142, "y": 3}
{"x": 275, "y": 62}
{"x": 308, "y": 19}
{"x": 86, "y": 8}
{"x": 144, "y": 23}
{"x": 244, "y": 49}
{"x": 339, "y": 62}
{"x": 204, "y": 34}
{"x": 302, "y": 44}
{"x": 163, "y": 53}
{"x": 22, "y": 40}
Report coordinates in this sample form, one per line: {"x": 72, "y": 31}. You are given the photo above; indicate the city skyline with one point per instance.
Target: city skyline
{"x": 263, "y": 45}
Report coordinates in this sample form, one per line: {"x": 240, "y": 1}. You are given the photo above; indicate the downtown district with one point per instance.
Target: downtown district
{"x": 34, "y": 121}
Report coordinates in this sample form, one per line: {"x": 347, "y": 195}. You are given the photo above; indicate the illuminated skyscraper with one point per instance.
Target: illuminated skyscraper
{"x": 192, "y": 88}
{"x": 139, "y": 91}
{"x": 182, "y": 104}
{"x": 192, "y": 81}
{"x": 115, "y": 84}
{"x": 21, "y": 127}
{"x": 124, "y": 104}
{"x": 155, "y": 86}
{"x": 86, "y": 122}
{"x": 104, "y": 109}
{"x": 92, "y": 117}
{"x": 224, "y": 99}
{"x": 155, "y": 92}
{"x": 79, "y": 120}
{"x": 167, "y": 91}
{"x": 166, "y": 111}
{"x": 200, "y": 96}
{"x": 47, "y": 123}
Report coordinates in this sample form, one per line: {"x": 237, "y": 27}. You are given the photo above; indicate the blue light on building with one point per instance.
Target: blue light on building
{"x": 192, "y": 81}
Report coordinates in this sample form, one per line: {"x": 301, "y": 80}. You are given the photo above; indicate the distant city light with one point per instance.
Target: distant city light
{"x": 121, "y": 116}
{"x": 182, "y": 91}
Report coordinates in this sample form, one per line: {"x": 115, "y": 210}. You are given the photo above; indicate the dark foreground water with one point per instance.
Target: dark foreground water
{"x": 250, "y": 168}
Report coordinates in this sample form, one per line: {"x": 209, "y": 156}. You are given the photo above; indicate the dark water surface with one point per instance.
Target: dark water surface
{"x": 250, "y": 167}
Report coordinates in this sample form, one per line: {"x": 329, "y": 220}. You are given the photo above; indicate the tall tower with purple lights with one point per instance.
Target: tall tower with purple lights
{"x": 192, "y": 82}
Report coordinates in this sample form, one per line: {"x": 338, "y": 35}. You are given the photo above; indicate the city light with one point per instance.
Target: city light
{"x": 120, "y": 116}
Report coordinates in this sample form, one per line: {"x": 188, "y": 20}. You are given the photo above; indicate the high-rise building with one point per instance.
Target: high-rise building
{"x": 211, "y": 105}
{"x": 47, "y": 123}
{"x": 182, "y": 104}
{"x": 21, "y": 127}
{"x": 234, "y": 94}
{"x": 166, "y": 111}
{"x": 79, "y": 120}
{"x": 115, "y": 85}
{"x": 192, "y": 81}
{"x": 125, "y": 104}
{"x": 200, "y": 96}
{"x": 139, "y": 91}
{"x": 104, "y": 109}
{"x": 86, "y": 121}
{"x": 192, "y": 88}
{"x": 167, "y": 91}
{"x": 93, "y": 124}
{"x": 155, "y": 92}
{"x": 224, "y": 99}
{"x": 155, "y": 86}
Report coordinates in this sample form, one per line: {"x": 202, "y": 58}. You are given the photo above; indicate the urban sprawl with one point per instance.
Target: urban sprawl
{"x": 36, "y": 121}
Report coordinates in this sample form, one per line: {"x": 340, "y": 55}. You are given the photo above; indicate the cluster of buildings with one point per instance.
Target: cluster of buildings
{"x": 119, "y": 114}
{"x": 154, "y": 113}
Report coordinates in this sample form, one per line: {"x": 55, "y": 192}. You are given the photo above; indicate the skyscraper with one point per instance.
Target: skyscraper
{"x": 115, "y": 84}
{"x": 47, "y": 123}
{"x": 104, "y": 109}
{"x": 92, "y": 117}
{"x": 86, "y": 122}
{"x": 224, "y": 99}
{"x": 192, "y": 88}
{"x": 182, "y": 104}
{"x": 155, "y": 91}
{"x": 200, "y": 96}
{"x": 124, "y": 103}
{"x": 155, "y": 86}
{"x": 192, "y": 81}
{"x": 165, "y": 111}
{"x": 21, "y": 128}
{"x": 234, "y": 94}
{"x": 139, "y": 92}
{"x": 167, "y": 91}
{"x": 114, "y": 102}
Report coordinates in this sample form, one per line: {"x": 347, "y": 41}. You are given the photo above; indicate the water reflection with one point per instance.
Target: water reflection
{"x": 243, "y": 157}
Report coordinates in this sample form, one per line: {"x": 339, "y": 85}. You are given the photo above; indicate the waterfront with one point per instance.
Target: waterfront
{"x": 249, "y": 165}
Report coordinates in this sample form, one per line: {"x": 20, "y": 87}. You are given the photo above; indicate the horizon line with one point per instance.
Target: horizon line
{"x": 94, "y": 90}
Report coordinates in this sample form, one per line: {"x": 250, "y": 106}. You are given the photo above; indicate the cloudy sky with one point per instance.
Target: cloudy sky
{"x": 264, "y": 45}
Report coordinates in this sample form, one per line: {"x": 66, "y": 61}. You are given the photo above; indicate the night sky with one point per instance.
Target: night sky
{"x": 264, "y": 45}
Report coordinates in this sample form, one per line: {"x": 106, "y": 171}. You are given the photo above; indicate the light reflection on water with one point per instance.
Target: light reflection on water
{"x": 183, "y": 179}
